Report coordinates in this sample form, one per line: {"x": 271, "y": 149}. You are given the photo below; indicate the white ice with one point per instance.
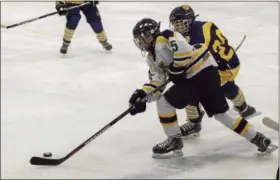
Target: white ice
{"x": 54, "y": 103}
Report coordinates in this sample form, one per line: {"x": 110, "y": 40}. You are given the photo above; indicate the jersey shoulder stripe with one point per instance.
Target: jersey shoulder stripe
{"x": 164, "y": 36}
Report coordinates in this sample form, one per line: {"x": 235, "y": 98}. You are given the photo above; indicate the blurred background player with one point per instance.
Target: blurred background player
{"x": 72, "y": 20}
{"x": 195, "y": 80}
{"x": 183, "y": 20}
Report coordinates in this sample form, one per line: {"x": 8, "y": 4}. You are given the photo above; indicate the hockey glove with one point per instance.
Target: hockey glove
{"x": 61, "y": 8}
{"x": 137, "y": 103}
{"x": 176, "y": 74}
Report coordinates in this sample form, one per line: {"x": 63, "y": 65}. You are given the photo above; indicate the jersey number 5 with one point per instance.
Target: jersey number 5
{"x": 174, "y": 45}
{"x": 219, "y": 46}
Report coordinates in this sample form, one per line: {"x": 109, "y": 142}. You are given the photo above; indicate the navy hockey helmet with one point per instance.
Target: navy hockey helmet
{"x": 181, "y": 18}
{"x": 145, "y": 32}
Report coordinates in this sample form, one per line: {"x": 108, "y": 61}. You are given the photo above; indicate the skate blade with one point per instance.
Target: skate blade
{"x": 271, "y": 148}
{"x": 234, "y": 112}
{"x": 253, "y": 115}
{"x": 191, "y": 136}
{"x": 176, "y": 153}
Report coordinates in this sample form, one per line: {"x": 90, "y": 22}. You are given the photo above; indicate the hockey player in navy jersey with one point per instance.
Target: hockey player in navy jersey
{"x": 183, "y": 20}
{"x": 72, "y": 20}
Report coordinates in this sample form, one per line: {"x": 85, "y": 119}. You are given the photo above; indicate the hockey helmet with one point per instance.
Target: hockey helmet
{"x": 181, "y": 18}
{"x": 145, "y": 32}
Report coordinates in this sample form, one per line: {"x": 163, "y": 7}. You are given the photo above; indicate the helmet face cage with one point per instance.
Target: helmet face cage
{"x": 144, "y": 33}
{"x": 182, "y": 26}
{"x": 143, "y": 41}
{"x": 181, "y": 19}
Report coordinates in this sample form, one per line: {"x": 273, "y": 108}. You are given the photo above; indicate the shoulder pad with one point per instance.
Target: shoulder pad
{"x": 167, "y": 33}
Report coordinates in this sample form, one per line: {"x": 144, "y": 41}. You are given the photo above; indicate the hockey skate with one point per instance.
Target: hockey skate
{"x": 173, "y": 143}
{"x": 263, "y": 143}
{"x": 64, "y": 48}
{"x": 248, "y": 112}
{"x": 107, "y": 46}
{"x": 190, "y": 129}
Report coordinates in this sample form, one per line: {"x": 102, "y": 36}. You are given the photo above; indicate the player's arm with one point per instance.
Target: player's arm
{"x": 156, "y": 77}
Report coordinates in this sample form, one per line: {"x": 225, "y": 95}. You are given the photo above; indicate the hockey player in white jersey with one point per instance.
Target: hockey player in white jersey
{"x": 195, "y": 79}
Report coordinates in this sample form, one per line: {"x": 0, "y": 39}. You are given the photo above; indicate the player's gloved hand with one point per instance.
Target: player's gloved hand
{"x": 176, "y": 74}
{"x": 137, "y": 103}
{"x": 61, "y": 8}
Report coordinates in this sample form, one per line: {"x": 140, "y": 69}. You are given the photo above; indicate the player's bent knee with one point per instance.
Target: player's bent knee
{"x": 163, "y": 106}
{"x": 230, "y": 90}
{"x": 176, "y": 102}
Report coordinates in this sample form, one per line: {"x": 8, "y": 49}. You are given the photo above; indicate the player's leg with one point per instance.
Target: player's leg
{"x": 216, "y": 105}
{"x": 235, "y": 94}
{"x": 94, "y": 19}
{"x": 168, "y": 119}
{"x": 194, "y": 118}
{"x": 176, "y": 97}
{"x": 72, "y": 20}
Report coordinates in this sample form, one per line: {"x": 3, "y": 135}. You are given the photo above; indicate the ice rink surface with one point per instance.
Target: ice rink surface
{"x": 54, "y": 103}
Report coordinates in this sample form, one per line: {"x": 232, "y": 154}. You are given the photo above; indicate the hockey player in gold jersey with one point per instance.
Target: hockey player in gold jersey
{"x": 183, "y": 19}
{"x": 195, "y": 79}
{"x": 72, "y": 20}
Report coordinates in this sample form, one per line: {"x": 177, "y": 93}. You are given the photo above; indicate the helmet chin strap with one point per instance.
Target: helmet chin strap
{"x": 158, "y": 27}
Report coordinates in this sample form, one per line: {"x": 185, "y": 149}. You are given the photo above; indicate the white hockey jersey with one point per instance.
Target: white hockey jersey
{"x": 172, "y": 47}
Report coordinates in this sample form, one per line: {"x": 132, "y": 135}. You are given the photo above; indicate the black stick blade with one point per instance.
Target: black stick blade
{"x": 45, "y": 162}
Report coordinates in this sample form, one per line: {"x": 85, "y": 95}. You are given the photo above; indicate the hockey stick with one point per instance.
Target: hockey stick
{"x": 40, "y": 17}
{"x": 240, "y": 44}
{"x": 54, "y": 162}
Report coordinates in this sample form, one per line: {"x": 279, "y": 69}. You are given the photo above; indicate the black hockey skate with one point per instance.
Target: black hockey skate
{"x": 190, "y": 129}
{"x": 173, "y": 143}
{"x": 64, "y": 48}
{"x": 248, "y": 112}
{"x": 107, "y": 46}
{"x": 263, "y": 143}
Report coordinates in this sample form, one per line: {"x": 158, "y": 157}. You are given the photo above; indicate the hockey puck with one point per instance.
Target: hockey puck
{"x": 47, "y": 154}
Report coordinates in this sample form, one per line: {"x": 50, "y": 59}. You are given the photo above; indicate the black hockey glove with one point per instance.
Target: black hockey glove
{"x": 137, "y": 103}
{"x": 61, "y": 8}
{"x": 176, "y": 74}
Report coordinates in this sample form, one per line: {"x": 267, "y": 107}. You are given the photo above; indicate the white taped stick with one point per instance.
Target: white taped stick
{"x": 270, "y": 123}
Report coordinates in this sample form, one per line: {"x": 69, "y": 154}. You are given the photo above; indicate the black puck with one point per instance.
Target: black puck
{"x": 47, "y": 154}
